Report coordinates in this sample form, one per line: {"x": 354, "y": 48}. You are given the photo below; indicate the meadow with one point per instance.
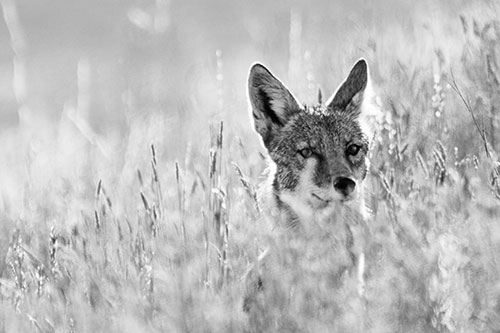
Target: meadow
{"x": 129, "y": 167}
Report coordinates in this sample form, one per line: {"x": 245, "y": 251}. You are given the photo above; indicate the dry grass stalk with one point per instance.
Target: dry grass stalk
{"x": 440, "y": 171}
{"x": 217, "y": 199}
{"x": 422, "y": 164}
{"x": 248, "y": 186}
{"x": 156, "y": 182}
{"x": 180, "y": 199}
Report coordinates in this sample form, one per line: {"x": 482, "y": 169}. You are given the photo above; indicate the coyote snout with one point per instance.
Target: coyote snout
{"x": 344, "y": 186}
{"x": 318, "y": 154}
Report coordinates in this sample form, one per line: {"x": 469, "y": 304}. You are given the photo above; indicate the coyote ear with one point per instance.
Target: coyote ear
{"x": 352, "y": 89}
{"x": 272, "y": 103}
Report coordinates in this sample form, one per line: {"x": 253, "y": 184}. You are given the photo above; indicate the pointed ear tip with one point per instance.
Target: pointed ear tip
{"x": 362, "y": 63}
{"x": 362, "y": 69}
{"x": 257, "y": 67}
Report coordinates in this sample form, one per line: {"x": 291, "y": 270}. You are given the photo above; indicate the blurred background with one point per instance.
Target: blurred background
{"x": 112, "y": 61}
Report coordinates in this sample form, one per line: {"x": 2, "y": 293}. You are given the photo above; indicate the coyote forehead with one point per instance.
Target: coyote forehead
{"x": 327, "y": 136}
{"x": 318, "y": 154}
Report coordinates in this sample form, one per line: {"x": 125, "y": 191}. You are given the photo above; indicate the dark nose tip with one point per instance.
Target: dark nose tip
{"x": 344, "y": 186}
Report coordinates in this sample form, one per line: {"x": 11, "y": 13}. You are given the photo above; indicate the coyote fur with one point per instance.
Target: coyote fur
{"x": 318, "y": 159}
{"x": 318, "y": 155}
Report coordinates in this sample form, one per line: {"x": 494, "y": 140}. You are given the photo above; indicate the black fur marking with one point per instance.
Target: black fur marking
{"x": 266, "y": 106}
{"x": 276, "y": 186}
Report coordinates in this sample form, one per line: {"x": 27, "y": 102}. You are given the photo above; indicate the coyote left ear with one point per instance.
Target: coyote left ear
{"x": 352, "y": 89}
{"x": 272, "y": 103}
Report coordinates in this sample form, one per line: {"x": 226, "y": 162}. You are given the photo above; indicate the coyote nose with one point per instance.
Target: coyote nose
{"x": 343, "y": 185}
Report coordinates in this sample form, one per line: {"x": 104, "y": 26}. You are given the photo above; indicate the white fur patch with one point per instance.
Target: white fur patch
{"x": 315, "y": 205}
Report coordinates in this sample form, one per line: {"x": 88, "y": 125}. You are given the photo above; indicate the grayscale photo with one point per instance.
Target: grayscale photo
{"x": 249, "y": 166}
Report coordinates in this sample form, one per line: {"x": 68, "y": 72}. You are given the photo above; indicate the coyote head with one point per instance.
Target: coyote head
{"x": 319, "y": 152}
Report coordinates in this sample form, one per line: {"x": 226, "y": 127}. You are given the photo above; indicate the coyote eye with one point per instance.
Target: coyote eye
{"x": 306, "y": 152}
{"x": 353, "y": 150}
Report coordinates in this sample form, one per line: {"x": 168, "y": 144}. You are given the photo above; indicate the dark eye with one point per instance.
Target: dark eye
{"x": 353, "y": 150}
{"x": 306, "y": 152}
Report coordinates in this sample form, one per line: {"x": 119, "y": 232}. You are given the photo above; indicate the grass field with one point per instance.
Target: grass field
{"x": 128, "y": 189}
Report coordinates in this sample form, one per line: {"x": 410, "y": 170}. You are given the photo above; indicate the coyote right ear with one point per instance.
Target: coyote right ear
{"x": 352, "y": 89}
{"x": 272, "y": 103}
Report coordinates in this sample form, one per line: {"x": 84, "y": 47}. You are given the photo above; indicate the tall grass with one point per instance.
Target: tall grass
{"x": 110, "y": 235}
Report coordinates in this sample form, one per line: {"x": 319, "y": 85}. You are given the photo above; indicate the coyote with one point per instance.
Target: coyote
{"x": 318, "y": 154}
{"x": 317, "y": 163}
